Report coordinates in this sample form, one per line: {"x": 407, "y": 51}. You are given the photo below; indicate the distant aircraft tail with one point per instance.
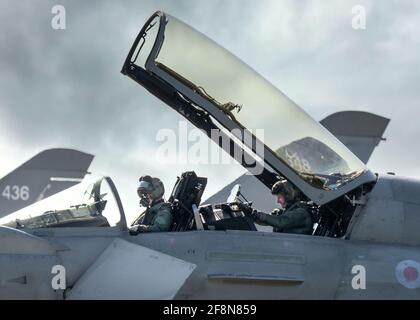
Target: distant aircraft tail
{"x": 359, "y": 131}
{"x": 45, "y": 174}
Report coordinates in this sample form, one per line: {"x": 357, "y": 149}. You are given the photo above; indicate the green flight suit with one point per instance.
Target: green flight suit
{"x": 296, "y": 219}
{"x": 158, "y": 218}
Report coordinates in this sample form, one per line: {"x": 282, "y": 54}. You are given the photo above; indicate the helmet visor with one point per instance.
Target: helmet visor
{"x": 144, "y": 187}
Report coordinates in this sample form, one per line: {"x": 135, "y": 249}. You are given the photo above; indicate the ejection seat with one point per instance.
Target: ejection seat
{"x": 186, "y": 195}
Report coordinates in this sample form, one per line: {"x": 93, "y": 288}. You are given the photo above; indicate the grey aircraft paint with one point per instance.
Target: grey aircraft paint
{"x": 381, "y": 238}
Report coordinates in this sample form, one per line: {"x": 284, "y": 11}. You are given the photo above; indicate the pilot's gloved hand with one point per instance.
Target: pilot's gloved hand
{"x": 133, "y": 230}
{"x": 277, "y": 212}
{"x": 142, "y": 228}
{"x": 246, "y": 209}
{"x": 258, "y": 216}
{"x": 136, "y": 229}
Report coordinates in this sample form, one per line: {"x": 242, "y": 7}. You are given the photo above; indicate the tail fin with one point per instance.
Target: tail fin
{"x": 45, "y": 174}
{"x": 360, "y": 131}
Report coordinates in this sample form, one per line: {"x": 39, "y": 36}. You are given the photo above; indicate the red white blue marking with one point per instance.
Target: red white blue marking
{"x": 408, "y": 274}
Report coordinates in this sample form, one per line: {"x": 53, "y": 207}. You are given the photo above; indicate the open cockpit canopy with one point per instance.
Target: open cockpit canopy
{"x": 177, "y": 63}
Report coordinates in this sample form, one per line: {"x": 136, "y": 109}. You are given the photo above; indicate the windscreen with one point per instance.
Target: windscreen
{"x": 88, "y": 204}
{"x": 224, "y": 80}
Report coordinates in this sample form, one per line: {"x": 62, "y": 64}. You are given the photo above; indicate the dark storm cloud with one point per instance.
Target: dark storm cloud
{"x": 63, "y": 88}
{"x": 68, "y": 81}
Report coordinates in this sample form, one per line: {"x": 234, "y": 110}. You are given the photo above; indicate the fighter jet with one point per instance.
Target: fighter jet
{"x": 365, "y": 243}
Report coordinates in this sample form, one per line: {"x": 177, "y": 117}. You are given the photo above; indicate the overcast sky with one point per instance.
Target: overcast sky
{"x": 63, "y": 88}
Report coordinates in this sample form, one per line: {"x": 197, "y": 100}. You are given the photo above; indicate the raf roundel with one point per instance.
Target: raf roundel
{"x": 408, "y": 274}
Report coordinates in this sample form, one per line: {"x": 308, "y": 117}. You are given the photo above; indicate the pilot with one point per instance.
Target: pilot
{"x": 158, "y": 215}
{"x": 295, "y": 218}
